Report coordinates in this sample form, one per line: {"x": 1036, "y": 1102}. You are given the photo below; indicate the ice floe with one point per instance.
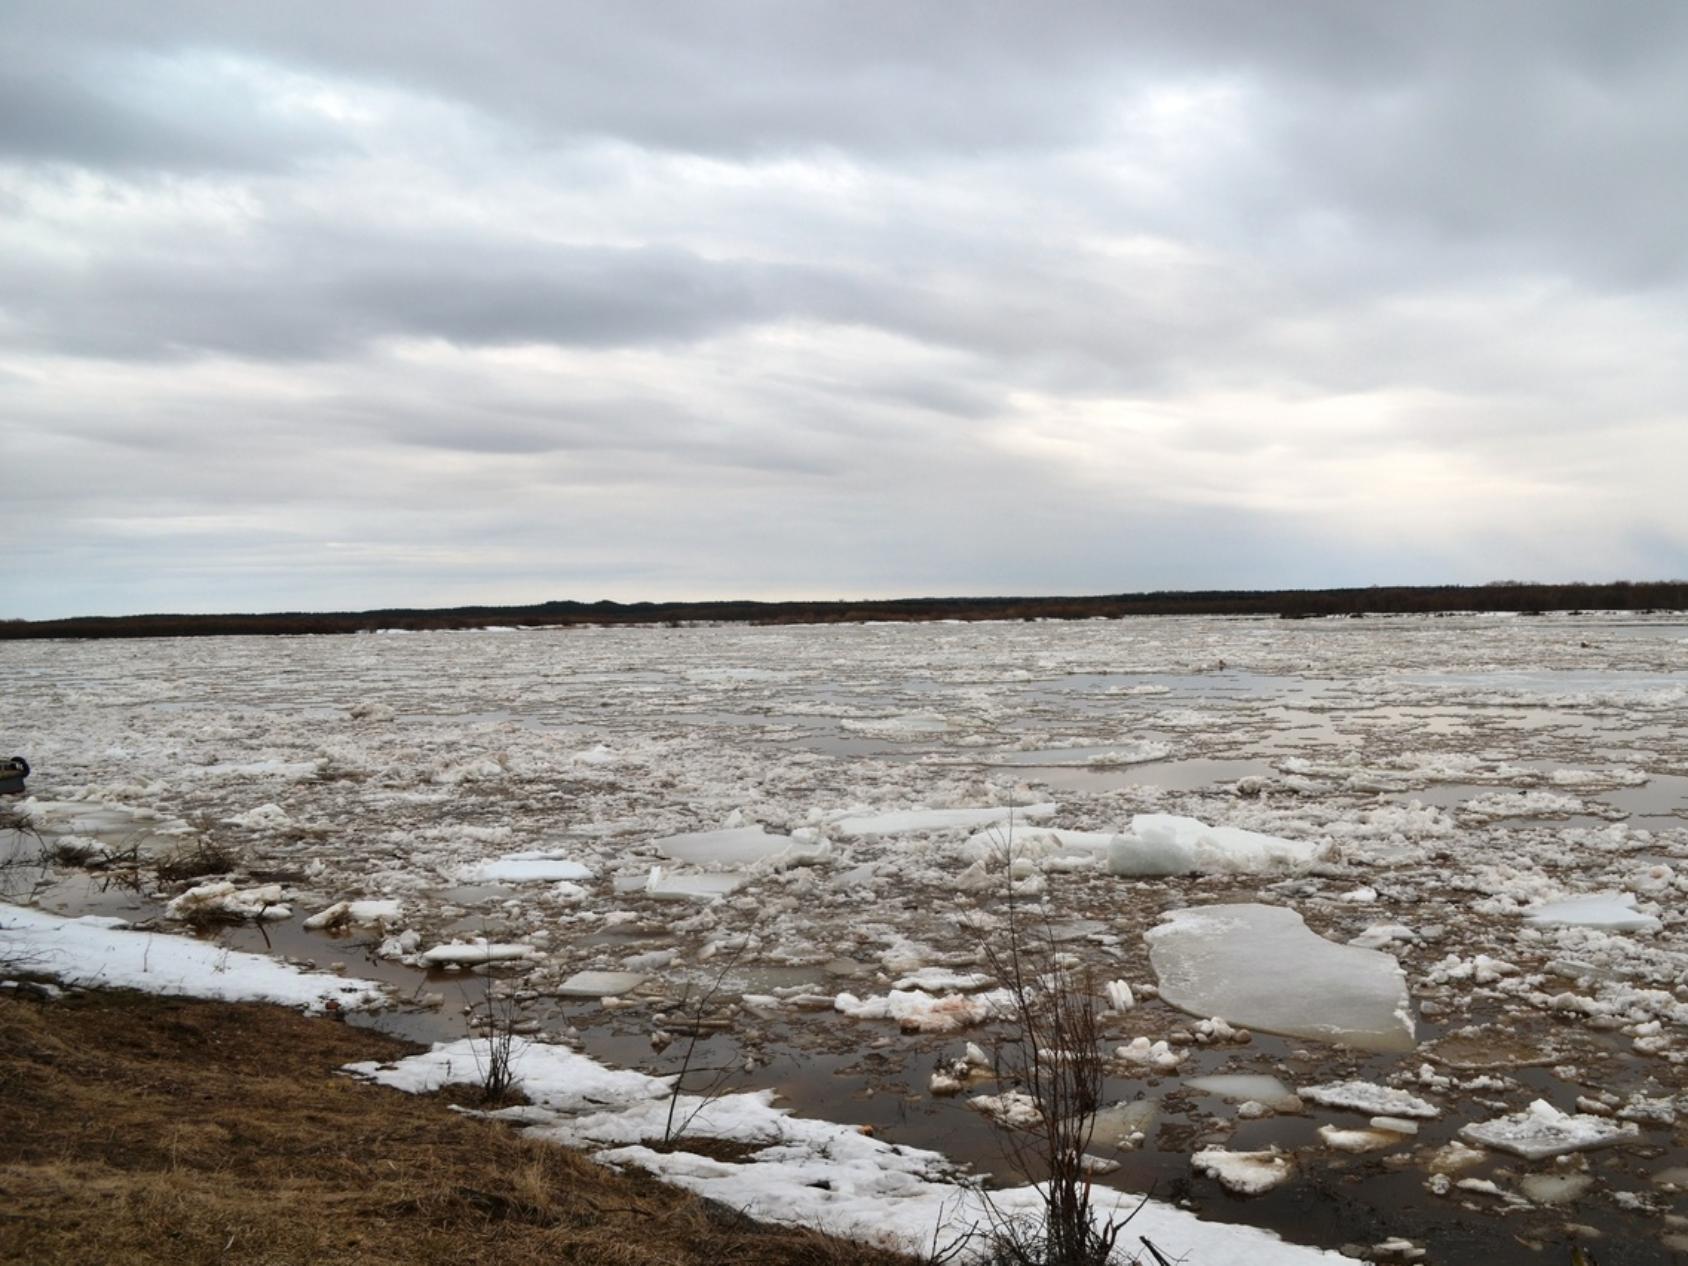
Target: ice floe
{"x": 740, "y": 846}
{"x": 1245, "y": 1173}
{"x": 475, "y": 953}
{"x": 1371, "y": 1099}
{"x": 1261, "y": 966}
{"x": 534, "y": 866}
{"x": 1614, "y": 911}
{"x": 1542, "y": 1130}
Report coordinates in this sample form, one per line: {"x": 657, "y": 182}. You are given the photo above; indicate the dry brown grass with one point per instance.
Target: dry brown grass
{"x": 138, "y": 1129}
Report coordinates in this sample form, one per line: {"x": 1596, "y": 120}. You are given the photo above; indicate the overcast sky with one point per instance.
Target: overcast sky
{"x": 326, "y": 306}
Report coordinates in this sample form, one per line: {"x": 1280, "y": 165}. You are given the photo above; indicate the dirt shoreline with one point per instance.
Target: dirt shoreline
{"x": 143, "y": 1129}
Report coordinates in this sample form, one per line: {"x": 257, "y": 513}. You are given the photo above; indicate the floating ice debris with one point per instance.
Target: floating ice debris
{"x": 916, "y": 1011}
{"x": 222, "y": 899}
{"x": 99, "y": 951}
{"x": 1157, "y": 1055}
{"x": 1124, "y": 1124}
{"x": 1164, "y": 844}
{"x": 1554, "y": 1188}
{"x": 1613, "y": 911}
{"x": 1246, "y": 1087}
{"x": 1246, "y": 1173}
{"x": 700, "y": 887}
{"x": 1013, "y": 1109}
{"x": 1120, "y": 997}
{"x": 908, "y": 821}
{"x": 266, "y": 817}
{"x": 466, "y": 953}
{"x": 932, "y": 979}
{"x": 361, "y": 913}
{"x": 1380, "y": 934}
{"x": 1397, "y": 1249}
{"x": 1035, "y": 843}
{"x": 538, "y": 866}
{"x": 1454, "y": 1157}
{"x": 1395, "y": 1125}
{"x": 1346, "y": 1140}
{"x": 1261, "y": 966}
{"x": 1371, "y": 1099}
{"x": 600, "y": 984}
{"x": 1542, "y": 1130}
{"x": 740, "y": 846}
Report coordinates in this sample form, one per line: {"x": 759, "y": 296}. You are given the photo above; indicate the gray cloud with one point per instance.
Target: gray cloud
{"x": 387, "y": 300}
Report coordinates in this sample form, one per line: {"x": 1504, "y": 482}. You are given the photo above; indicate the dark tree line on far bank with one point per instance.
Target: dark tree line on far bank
{"x": 1524, "y": 598}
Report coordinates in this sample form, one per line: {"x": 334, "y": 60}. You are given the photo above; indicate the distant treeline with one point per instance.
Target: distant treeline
{"x": 1620, "y": 595}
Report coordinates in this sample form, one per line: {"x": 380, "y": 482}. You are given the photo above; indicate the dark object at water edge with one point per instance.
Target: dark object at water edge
{"x": 12, "y": 774}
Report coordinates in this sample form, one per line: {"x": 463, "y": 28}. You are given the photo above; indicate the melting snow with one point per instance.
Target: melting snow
{"x": 96, "y": 951}
{"x": 807, "y": 1172}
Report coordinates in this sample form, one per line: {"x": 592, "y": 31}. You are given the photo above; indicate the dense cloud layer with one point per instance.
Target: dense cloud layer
{"x": 432, "y": 303}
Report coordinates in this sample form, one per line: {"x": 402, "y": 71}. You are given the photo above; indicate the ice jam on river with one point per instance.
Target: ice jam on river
{"x": 1384, "y": 917}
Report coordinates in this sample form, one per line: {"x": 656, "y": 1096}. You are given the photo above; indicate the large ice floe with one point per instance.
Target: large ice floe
{"x": 102, "y": 951}
{"x": 1261, "y": 966}
{"x": 802, "y": 1172}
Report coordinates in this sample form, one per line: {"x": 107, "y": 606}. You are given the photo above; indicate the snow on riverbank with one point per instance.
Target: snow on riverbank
{"x": 95, "y": 951}
{"x": 804, "y": 1172}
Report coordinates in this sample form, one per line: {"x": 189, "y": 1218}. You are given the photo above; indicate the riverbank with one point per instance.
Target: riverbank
{"x": 143, "y": 1129}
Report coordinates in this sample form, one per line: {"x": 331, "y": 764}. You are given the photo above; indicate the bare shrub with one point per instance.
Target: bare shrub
{"x": 203, "y": 859}
{"x": 495, "y": 1070}
{"x": 689, "y": 1015}
{"x": 1053, "y": 1054}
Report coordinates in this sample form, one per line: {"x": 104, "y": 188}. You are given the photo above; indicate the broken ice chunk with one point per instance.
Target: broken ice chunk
{"x": 1157, "y": 1055}
{"x": 1613, "y": 911}
{"x": 1542, "y": 1130}
{"x": 916, "y": 1011}
{"x": 600, "y": 984}
{"x": 1037, "y": 843}
{"x": 1369, "y": 1098}
{"x": 908, "y": 821}
{"x": 1013, "y": 1109}
{"x": 1245, "y": 1087}
{"x": 1261, "y": 966}
{"x": 1246, "y": 1173}
{"x": 222, "y": 899}
{"x": 537, "y": 866}
{"x": 702, "y": 887}
{"x": 1338, "y": 1139}
{"x": 933, "y": 979}
{"x": 1164, "y": 844}
{"x": 463, "y": 953}
{"x": 739, "y": 846}
{"x": 363, "y": 913}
